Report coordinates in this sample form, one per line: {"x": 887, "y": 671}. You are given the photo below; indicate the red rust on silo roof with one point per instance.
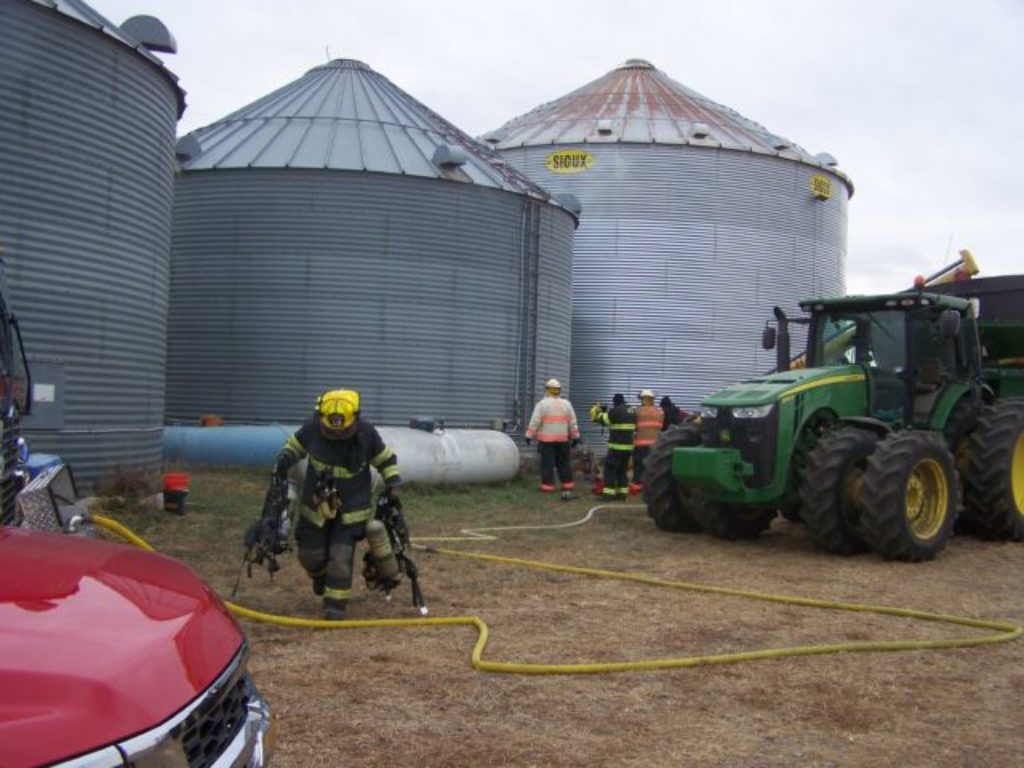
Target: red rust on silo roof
{"x": 635, "y": 102}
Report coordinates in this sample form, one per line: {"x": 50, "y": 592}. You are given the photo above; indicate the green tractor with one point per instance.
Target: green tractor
{"x": 903, "y": 418}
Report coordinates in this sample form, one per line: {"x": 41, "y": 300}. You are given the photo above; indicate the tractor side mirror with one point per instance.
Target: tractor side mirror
{"x": 949, "y": 324}
{"x": 768, "y": 337}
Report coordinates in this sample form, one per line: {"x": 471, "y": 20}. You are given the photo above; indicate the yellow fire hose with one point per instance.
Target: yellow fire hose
{"x": 1001, "y": 631}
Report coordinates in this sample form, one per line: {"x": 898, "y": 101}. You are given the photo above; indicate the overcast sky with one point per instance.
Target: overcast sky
{"x": 920, "y": 101}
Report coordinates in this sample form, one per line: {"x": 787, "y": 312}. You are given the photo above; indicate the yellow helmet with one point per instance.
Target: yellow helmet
{"x": 338, "y": 411}
{"x": 553, "y": 387}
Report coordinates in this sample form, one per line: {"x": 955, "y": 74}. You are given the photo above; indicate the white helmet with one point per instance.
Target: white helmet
{"x": 553, "y": 384}
{"x": 646, "y": 393}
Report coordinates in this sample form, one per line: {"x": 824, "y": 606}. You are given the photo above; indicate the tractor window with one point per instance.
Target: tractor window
{"x": 930, "y": 358}
{"x": 875, "y": 339}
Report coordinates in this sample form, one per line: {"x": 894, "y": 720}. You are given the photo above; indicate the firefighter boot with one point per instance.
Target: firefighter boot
{"x": 334, "y": 610}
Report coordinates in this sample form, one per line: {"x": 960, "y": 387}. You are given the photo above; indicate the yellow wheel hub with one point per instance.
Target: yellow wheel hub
{"x": 1017, "y": 474}
{"x": 927, "y": 499}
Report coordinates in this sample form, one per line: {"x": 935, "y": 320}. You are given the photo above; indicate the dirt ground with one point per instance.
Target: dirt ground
{"x": 404, "y": 696}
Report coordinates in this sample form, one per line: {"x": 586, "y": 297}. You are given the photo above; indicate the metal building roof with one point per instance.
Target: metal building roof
{"x": 84, "y": 14}
{"x": 638, "y": 103}
{"x": 345, "y": 116}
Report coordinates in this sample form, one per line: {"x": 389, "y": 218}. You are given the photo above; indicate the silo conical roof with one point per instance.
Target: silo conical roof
{"x": 345, "y": 116}
{"x": 638, "y": 103}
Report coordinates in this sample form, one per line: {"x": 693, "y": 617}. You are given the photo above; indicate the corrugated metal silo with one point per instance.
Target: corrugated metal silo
{"x": 695, "y": 223}
{"x": 87, "y": 162}
{"x": 338, "y": 233}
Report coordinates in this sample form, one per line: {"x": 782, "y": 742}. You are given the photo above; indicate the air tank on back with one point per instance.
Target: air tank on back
{"x": 337, "y": 233}
{"x": 87, "y": 163}
{"x": 695, "y": 222}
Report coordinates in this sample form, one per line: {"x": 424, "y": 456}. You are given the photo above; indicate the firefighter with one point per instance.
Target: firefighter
{"x": 553, "y": 425}
{"x": 621, "y": 423}
{"x": 340, "y": 447}
{"x": 649, "y": 419}
{"x": 673, "y": 414}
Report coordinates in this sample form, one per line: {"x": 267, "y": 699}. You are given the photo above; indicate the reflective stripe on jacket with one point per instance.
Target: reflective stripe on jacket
{"x": 621, "y": 423}
{"x": 553, "y": 421}
{"x": 648, "y": 424}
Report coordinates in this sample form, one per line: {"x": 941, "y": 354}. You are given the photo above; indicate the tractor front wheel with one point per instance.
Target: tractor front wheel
{"x": 830, "y": 488}
{"x": 910, "y": 496}
{"x": 668, "y": 503}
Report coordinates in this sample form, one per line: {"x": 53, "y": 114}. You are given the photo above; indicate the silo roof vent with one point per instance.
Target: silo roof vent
{"x": 700, "y": 131}
{"x": 637, "y": 64}
{"x": 571, "y": 203}
{"x": 604, "y": 126}
{"x": 151, "y": 33}
{"x": 826, "y": 159}
{"x": 448, "y": 155}
{"x": 187, "y": 148}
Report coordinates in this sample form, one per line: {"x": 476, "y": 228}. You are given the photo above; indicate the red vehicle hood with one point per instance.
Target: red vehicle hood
{"x": 99, "y": 642}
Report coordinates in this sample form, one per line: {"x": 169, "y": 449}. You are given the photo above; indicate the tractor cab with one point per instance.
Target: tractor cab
{"x": 919, "y": 351}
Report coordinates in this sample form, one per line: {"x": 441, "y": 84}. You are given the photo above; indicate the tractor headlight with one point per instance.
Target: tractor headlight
{"x": 708, "y": 412}
{"x": 752, "y": 411}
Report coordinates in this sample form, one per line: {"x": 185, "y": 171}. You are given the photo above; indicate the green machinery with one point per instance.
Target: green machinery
{"x": 903, "y": 418}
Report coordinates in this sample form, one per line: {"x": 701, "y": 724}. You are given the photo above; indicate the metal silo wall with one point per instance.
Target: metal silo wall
{"x": 680, "y": 256}
{"x": 287, "y": 282}
{"x": 87, "y": 162}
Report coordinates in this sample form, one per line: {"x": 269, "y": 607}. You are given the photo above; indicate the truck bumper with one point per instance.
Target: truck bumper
{"x": 255, "y": 742}
{"x": 720, "y": 470}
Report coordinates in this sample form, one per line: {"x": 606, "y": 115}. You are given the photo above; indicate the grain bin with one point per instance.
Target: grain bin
{"x": 695, "y": 222}
{"x": 87, "y": 162}
{"x": 338, "y": 233}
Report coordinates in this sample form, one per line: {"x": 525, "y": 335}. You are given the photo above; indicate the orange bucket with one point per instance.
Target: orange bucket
{"x": 175, "y": 481}
{"x": 175, "y": 492}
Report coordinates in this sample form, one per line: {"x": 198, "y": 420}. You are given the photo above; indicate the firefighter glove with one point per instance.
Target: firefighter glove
{"x": 575, "y": 442}
{"x": 528, "y": 441}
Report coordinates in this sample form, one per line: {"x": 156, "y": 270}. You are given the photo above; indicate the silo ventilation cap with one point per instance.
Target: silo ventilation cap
{"x": 826, "y": 159}
{"x": 570, "y": 202}
{"x": 150, "y": 33}
{"x": 446, "y": 154}
{"x": 604, "y": 126}
{"x": 700, "y": 131}
{"x": 781, "y": 145}
{"x": 187, "y": 148}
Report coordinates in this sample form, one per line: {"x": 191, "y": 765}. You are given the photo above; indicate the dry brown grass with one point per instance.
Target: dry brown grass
{"x": 410, "y": 697}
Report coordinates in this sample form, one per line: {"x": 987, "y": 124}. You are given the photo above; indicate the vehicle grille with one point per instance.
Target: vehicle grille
{"x": 208, "y": 731}
{"x": 753, "y": 438}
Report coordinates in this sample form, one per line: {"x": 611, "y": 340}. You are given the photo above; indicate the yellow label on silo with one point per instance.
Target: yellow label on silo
{"x": 569, "y": 161}
{"x": 821, "y": 186}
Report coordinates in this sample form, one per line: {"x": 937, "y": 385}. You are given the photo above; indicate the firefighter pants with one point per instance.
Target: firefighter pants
{"x": 616, "y": 471}
{"x": 555, "y": 456}
{"x": 327, "y": 554}
{"x": 640, "y": 454}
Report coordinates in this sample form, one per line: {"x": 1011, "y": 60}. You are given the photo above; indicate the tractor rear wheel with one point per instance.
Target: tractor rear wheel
{"x": 994, "y": 482}
{"x": 733, "y": 521}
{"x": 830, "y": 487}
{"x": 910, "y": 496}
{"x": 668, "y": 503}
